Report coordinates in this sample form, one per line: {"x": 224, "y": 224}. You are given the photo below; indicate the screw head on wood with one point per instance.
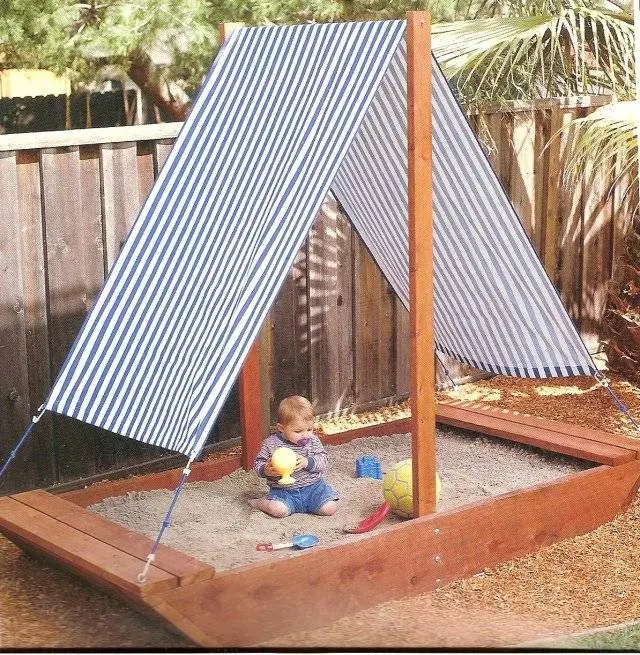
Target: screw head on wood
{"x": 438, "y": 559}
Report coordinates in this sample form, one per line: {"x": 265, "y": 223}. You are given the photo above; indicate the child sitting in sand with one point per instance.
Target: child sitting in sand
{"x": 310, "y": 493}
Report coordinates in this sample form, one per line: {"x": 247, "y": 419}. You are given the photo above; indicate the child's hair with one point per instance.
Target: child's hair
{"x": 294, "y": 407}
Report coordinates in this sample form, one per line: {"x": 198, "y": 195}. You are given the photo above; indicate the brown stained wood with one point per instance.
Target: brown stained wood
{"x": 570, "y": 233}
{"x": 547, "y": 425}
{"x": 35, "y": 308}
{"x": 522, "y": 172}
{"x": 330, "y": 302}
{"x": 208, "y": 470}
{"x": 534, "y": 435}
{"x": 144, "y": 165}
{"x": 290, "y": 336}
{"x": 75, "y": 273}
{"x": 422, "y": 371}
{"x": 259, "y": 602}
{"x": 597, "y": 244}
{"x": 554, "y": 191}
{"x": 78, "y": 551}
{"x": 402, "y": 350}
{"x": 540, "y": 179}
{"x": 14, "y": 382}
{"x": 120, "y": 195}
{"x": 498, "y": 145}
{"x": 251, "y": 419}
{"x": 374, "y": 372}
{"x": 162, "y": 150}
{"x": 187, "y": 569}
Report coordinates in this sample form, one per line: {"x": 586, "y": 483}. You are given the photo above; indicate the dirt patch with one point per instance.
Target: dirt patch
{"x": 214, "y": 522}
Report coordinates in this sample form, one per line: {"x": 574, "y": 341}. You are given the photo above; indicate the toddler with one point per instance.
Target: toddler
{"x": 310, "y": 493}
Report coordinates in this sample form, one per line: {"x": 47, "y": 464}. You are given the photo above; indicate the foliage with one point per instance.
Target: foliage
{"x": 607, "y": 139}
{"x": 543, "y": 49}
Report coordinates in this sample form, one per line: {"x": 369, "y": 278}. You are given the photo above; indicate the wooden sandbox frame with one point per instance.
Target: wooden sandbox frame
{"x": 257, "y": 602}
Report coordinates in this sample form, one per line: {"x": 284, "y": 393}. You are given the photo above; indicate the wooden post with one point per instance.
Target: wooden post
{"x": 251, "y": 414}
{"x": 225, "y": 30}
{"x": 423, "y": 449}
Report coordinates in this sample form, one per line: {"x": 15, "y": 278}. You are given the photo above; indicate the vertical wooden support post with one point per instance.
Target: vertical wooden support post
{"x": 225, "y": 29}
{"x": 251, "y": 414}
{"x": 423, "y": 411}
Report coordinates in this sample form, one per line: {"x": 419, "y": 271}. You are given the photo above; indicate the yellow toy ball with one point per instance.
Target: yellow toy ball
{"x": 398, "y": 490}
{"x": 283, "y": 460}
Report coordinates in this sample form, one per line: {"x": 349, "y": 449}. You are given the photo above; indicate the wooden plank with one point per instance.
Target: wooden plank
{"x": 162, "y": 149}
{"x": 187, "y": 569}
{"x": 14, "y": 382}
{"x": 550, "y": 257}
{"x": 260, "y": 602}
{"x": 534, "y": 435}
{"x": 540, "y": 178}
{"x": 75, "y": 273}
{"x": 401, "y": 339}
{"x": 570, "y": 245}
{"x": 329, "y": 278}
{"x": 35, "y": 308}
{"x": 374, "y": 369}
{"x": 522, "y": 172}
{"x": 596, "y": 253}
{"x": 290, "y": 336}
{"x": 422, "y": 398}
{"x": 78, "y": 551}
{"x": 146, "y": 173}
{"x": 120, "y": 195}
{"x": 251, "y": 419}
{"x": 560, "y": 427}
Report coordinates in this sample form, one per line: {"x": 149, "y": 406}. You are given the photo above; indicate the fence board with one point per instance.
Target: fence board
{"x": 290, "y": 336}
{"x": 570, "y": 222}
{"x": 597, "y": 245}
{"x": 522, "y": 171}
{"x": 162, "y": 150}
{"x": 374, "y": 374}
{"x": 553, "y": 190}
{"x": 330, "y": 310}
{"x": 14, "y": 381}
{"x": 120, "y": 195}
{"x": 35, "y": 307}
{"x": 75, "y": 273}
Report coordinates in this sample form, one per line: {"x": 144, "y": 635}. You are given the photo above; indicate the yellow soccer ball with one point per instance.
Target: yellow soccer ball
{"x": 398, "y": 490}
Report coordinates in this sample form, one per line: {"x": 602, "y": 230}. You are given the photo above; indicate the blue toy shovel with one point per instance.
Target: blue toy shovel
{"x": 299, "y": 541}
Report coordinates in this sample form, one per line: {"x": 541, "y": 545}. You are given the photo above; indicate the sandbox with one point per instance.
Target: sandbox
{"x": 214, "y": 523}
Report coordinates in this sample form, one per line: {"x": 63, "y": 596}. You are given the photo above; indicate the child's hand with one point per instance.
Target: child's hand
{"x": 301, "y": 462}
{"x": 269, "y": 471}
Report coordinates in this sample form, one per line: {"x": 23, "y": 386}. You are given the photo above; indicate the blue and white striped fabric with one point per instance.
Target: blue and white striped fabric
{"x": 494, "y": 306}
{"x": 235, "y": 200}
{"x": 270, "y": 130}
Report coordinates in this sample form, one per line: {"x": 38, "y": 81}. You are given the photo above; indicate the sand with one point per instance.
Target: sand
{"x": 214, "y": 523}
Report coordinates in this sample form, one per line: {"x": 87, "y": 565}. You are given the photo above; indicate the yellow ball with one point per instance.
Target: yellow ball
{"x": 283, "y": 460}
{"x": 398, "y": 490}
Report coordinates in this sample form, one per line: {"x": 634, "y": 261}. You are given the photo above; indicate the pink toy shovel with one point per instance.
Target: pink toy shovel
{"x": 299, "y": 541}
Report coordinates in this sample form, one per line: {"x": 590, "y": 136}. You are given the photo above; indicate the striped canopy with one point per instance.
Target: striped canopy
{"x": 285, "y": 114}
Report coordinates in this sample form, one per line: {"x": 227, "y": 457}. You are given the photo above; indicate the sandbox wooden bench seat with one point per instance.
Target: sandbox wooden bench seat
{"x": 93, "y": 547}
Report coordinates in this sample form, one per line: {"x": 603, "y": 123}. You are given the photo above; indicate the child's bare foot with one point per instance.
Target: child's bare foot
{"x": 273, "y": 508}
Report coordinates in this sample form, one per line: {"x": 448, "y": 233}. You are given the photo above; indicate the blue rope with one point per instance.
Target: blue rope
{"x": 20, "y": 443}
{"x": 446, "y": 372}
{"x": 166, "y": 521}
{"x": 623, "y": 408}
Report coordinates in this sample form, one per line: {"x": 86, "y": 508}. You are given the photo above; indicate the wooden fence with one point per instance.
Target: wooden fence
{"x": 336, "y": 332}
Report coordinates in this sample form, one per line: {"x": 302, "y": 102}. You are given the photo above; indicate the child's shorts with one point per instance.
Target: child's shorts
{"x": 307, "y": 499}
